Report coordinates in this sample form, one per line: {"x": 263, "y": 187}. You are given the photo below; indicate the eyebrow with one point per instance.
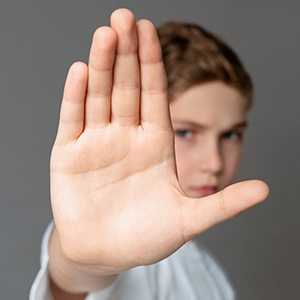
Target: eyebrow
{"x": 241, "y": 125}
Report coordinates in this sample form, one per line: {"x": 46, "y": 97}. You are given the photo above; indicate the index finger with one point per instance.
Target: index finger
{"x": 154, "y": 98}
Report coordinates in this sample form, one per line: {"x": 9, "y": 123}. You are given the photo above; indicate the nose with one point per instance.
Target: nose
{"x": 210, "y": 158}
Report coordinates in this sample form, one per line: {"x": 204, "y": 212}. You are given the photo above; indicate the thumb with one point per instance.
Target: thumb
{"x": 201, "y": 214}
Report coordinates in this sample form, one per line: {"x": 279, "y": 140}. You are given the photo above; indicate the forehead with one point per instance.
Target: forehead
{"x": 210, "y": 103}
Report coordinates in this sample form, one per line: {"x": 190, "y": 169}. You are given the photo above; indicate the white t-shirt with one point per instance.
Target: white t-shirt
{"x": 191, "y": 273}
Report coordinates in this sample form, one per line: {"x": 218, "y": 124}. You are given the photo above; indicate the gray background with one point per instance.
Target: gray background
{"x": 40, "y": 39}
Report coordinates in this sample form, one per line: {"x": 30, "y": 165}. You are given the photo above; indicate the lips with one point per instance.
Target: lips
{"x": 204, "y": 190}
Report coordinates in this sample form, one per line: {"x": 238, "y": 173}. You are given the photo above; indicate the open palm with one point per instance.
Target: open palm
{"x": 116, "y": 198}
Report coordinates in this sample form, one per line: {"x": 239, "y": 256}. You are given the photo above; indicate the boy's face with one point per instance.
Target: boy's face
{"x": 209, "y": 122}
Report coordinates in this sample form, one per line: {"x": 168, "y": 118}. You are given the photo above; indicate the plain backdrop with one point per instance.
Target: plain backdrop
{"x": 39, "y": 40}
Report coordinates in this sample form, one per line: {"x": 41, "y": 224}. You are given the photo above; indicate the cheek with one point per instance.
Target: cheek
{"x": 183, "y": 166}
{"x": 231, "y": 166}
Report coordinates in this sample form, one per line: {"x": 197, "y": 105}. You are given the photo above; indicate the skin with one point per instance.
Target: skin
{"x": 104, "y": 179}
{"x": 209, "y": 122}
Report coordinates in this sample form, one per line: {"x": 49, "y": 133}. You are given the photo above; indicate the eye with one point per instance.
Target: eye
{"x": 184, "y": 133}
{"x": 232, "y": 136}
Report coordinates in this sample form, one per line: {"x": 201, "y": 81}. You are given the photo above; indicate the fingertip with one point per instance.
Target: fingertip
{"x": 102, "y": 53}
{"x": 76, "y": 81}
{"x": 144, "y": 23}
{"x": 238, "y": 197}
{"x": 77, "y": 70}
{"x": 150, "y": 39}
{"x": 204, "y": 213}
{"x": 252, "y": 189}
{"x": 149, "y": 44}
{"x": 121, "y": 15}
{"x": 77, "y": 66}
{"x": 260, "y": 190}
{"x": 104, "y": 35}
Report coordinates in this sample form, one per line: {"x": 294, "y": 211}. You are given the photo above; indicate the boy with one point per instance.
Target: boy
{"x": 119, "y": 210}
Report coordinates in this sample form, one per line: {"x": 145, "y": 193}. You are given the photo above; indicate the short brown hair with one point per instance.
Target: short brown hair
{"x": 193, "y": 55}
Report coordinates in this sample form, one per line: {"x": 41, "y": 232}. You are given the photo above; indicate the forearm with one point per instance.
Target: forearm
{"x": 59, "y": 294}
{"x": 68, "y": 280}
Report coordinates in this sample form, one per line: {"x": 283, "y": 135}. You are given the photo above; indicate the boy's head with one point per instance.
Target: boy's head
{"x": 192, "y": 55}
{"x": 210, "y": 93}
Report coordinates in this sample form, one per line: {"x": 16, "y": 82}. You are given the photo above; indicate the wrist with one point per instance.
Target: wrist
{"x": 70, "y": 276}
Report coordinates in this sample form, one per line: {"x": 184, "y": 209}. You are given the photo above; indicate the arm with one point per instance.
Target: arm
{"x": 115, "y": 195}
{"x": 69, "y": 277}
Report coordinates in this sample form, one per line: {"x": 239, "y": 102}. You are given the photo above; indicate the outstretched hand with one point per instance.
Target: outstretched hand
{"x": 115, "y": 194}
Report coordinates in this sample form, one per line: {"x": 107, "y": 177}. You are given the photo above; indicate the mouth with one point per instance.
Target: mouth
{"x": 203, "y": 191}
